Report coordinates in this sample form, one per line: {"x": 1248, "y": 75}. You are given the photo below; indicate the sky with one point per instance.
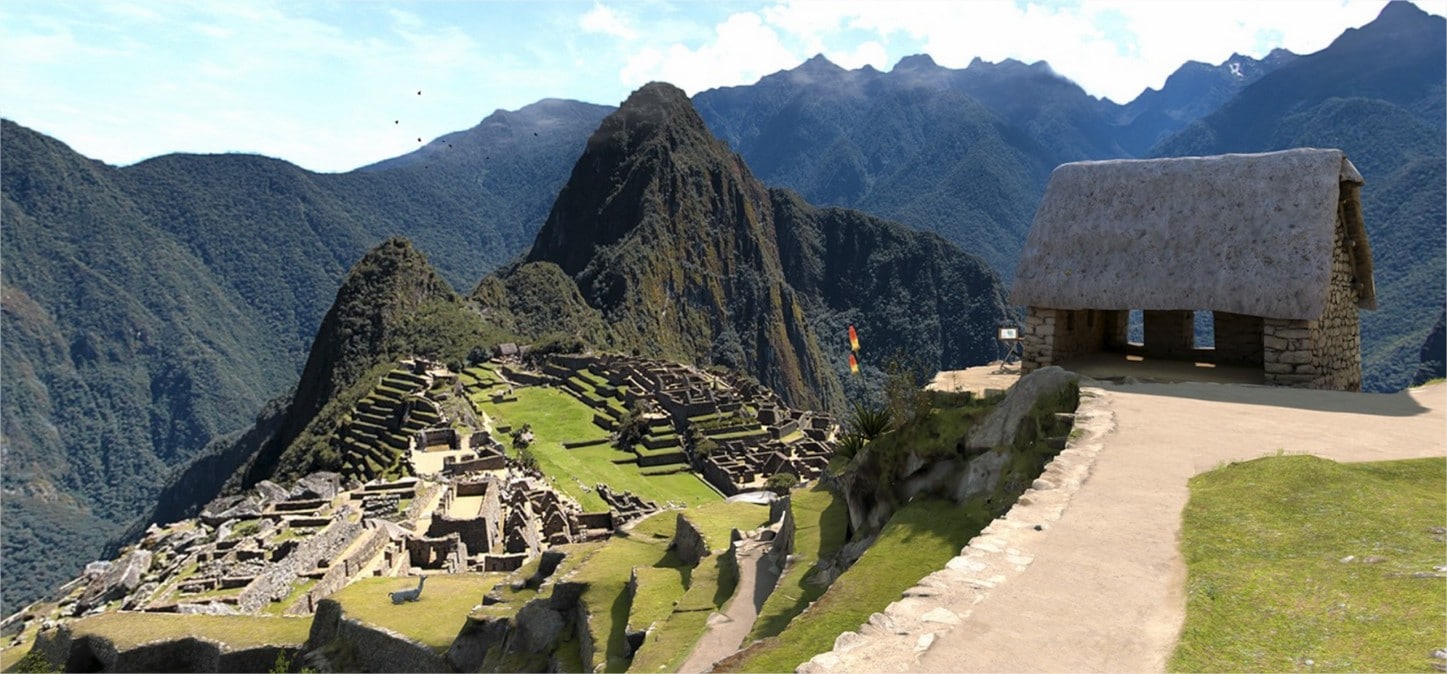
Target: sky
{"x": 331, "y": 85}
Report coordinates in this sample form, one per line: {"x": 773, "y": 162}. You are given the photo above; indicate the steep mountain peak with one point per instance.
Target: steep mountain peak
{"x": 642, "y": 148}
{"x": 388, "y": 307}
{"x": 819, "y": 63}
{"x": 1401, "y": 10}
{"x": 916, "y": 62}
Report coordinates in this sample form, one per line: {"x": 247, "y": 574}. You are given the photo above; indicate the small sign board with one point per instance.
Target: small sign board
{"x": 1009, "y": 334}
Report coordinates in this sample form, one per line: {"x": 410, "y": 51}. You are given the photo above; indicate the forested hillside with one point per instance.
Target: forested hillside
{"x": 151, "y": 308}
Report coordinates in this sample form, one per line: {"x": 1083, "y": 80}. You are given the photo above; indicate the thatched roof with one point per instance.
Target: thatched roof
{"x": 1244, "y": 233}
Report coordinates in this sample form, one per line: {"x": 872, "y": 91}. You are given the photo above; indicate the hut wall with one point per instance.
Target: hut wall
{"x": 1238, "y": 339}
{"x": 1325, "y": 353}
{"x": 1077, "y": 332}
{"x": 1054, "y": 335}
{"x": 1169, "y": 334}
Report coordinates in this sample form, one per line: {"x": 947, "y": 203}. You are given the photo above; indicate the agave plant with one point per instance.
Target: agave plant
{"x": 871, "y": 422}
{"x": 849, "y": 445}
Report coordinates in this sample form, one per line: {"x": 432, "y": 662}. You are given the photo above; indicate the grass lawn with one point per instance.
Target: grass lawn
{"x": 607, "y": 572}
{"x": 820, "y": 522}
{"x": 1266, "y": 589}
{"x": 557, "y": 417}
{"x": 918, "y": 540}
{"x": 433, "y": 620}
{"x": 712, "y": 586}
{"x": 127, "y": 630}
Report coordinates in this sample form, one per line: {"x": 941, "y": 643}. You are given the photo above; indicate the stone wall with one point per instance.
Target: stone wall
{"x": 339, "y": 573}
{"x": 92, "y": 653}
{"x": 1238, "y": 339}
{"x": 374, "y": 649}
{"x": 1325, "y": 353}
{"x": 476, "y": 533}
{"x": 688, "y": 542}
{"x": 276, "y": 582}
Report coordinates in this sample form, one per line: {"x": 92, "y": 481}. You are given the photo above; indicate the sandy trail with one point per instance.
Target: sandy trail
{"x": 1106, "y": 589}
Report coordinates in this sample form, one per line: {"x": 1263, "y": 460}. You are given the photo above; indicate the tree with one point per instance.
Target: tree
{"x": 781, "y": 483}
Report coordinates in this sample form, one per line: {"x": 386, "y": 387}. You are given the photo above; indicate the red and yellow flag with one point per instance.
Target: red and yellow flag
{"x": 853, "y": 364}
{"x": 853, "y": 339}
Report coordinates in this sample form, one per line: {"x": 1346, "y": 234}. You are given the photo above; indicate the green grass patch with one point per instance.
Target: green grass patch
{"x": 433, "y": 620}
{"x": 1266, "y": 589}
{"x": 127, "y": 629}
{"x": 557, "y": 417}
{"x": 607, "y": 571}
{"x": 821, "y": 520}
{"x": 658, "y": 589}
{"x": 299, "y": 588}
{"x": 918, "y": 540}
{"x": 713, "y": 585}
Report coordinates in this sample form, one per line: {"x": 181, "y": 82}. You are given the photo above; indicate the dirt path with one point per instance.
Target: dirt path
{"x": 1101, "y": 588}
{"x": 727, "y": 630}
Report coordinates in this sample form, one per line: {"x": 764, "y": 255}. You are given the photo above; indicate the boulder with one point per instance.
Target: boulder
{"x": 321, "y": 484}
{"x": 998, "y": 428}
{"x": 538, "y": 627}
{"x": 270, "y": 492}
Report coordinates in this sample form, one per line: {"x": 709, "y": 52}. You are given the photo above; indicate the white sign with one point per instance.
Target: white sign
{"x": 1008, "y": 334}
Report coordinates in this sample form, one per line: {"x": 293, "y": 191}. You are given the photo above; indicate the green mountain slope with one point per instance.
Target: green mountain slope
{"x": 150, "y": 309}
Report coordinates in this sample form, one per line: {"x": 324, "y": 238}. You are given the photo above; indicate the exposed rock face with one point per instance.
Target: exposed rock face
{"x": 998, "y": 460}
{"x": 688, "y": 542}
{"x": 115, "y": 580}
{"x": 998, "y": 428}
{"x": 371, "y": 649}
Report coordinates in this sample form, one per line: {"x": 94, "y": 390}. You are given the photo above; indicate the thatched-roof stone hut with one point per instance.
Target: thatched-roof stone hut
{"x": 1273, "y": 244}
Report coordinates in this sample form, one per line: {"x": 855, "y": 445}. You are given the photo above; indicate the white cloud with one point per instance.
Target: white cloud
{"x": 743, "y": 49}
{"x": 321, "y": 84}
{"x": 602, "y": 19}
{"x": 1112, "y": 48}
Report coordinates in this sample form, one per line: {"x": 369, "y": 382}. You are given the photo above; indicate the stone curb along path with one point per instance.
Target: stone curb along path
{"x": 895, "y": 639}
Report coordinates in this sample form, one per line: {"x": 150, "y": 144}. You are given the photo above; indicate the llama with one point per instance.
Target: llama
{"x": 408, "y": 595}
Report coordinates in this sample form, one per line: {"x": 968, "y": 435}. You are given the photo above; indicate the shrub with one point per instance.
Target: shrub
{"x": 781, "y": 483}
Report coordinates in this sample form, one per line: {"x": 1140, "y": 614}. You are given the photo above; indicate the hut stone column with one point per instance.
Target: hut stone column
{"x": 1325, "y": 353}
{"x": 1169, "y": 334}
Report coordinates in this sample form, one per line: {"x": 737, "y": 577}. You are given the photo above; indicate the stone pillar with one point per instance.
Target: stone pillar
{"x": 1037, "y": 339}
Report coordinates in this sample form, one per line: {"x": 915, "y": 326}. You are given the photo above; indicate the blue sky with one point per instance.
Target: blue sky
{"x": 333, "y": 84}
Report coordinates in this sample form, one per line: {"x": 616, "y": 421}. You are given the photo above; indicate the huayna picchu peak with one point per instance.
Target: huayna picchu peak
{"x": 687, "y": 255}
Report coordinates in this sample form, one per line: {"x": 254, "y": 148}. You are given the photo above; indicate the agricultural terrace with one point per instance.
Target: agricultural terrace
{"x": 820, "y": 523}
{"x": 130, "y": 629}
{"x": 918, "y": 540}
{"x": 433, "y": 620}
{"x": 555, "y": 418}
{"x": 668, "y": 591}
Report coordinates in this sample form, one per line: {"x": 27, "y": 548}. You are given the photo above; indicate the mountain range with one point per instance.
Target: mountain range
{"x": 153, "y": 309}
